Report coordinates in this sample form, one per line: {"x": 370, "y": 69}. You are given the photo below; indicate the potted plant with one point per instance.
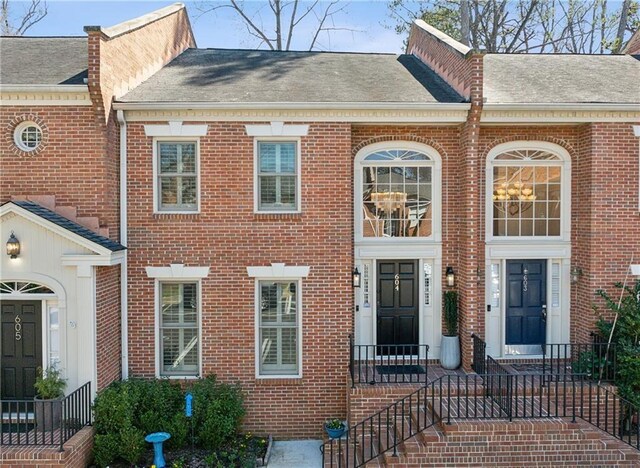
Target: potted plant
{"x": 49, "y": 387}
{"x": 450, "y": 346}
{"x": 335, "y": 428}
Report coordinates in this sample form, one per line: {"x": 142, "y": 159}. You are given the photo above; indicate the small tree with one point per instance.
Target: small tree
{"x": 451, "y": 312}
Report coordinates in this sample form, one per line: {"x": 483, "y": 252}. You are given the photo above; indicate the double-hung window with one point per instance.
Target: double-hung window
{"x": 278, "y": 323}
{"x": 179, "y": 350}
{"x": 177, "y": 173}
{"x": 277, "y": 176}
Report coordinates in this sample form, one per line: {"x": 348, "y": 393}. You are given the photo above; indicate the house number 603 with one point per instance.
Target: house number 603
{"x": 18, "y": 327}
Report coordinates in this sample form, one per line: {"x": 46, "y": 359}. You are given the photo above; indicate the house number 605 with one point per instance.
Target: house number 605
{"x": 18, "y": 327}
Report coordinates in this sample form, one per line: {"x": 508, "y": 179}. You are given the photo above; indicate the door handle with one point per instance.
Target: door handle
{"x": 544, "y": 312}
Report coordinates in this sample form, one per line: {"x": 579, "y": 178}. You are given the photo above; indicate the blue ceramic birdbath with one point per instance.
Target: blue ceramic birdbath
{"x": 157, "y": 438}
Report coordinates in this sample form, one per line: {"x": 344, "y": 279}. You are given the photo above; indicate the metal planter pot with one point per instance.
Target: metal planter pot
{"x": 450, "y": 352}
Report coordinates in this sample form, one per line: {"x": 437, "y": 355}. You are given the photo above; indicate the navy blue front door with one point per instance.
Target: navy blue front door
{"x": 526, "y": 302}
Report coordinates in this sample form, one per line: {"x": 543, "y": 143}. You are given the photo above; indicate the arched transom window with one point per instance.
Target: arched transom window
{"x": 20, "y": 287}
{"x": 527, "y": 193}
{"x": 397, "y": 193}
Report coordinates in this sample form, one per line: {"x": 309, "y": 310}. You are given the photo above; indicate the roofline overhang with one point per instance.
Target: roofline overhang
{"x": 13, "y": 88}
{"x": 169, "y": 105}
{"x": 578, "y": 106}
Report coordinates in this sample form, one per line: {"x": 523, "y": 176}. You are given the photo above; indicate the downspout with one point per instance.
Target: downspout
{"x": 124, "y": 327}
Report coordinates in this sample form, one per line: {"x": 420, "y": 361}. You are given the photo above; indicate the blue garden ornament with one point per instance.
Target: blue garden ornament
{"x": 188, "y": 407}
{"x": 157, "y": 439}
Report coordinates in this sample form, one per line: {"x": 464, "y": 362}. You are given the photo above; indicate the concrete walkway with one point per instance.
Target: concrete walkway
{"x": 296, "y": 454}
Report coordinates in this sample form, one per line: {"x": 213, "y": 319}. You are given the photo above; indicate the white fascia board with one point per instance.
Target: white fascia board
{"x": 278, "y": 270}
{"x": 115, "y": 258}
{"x": 48, "y": 225}
{"x": 398, "y": 106}
{"x": 17, "y": 88}
{"x": 175, "y": 129}
{"x": 561, "y": 106}
{"x": 279, "y": 129}
{"x": 177, "y": 271}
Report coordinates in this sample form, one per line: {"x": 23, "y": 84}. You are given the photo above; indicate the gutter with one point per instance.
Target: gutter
{"x": 124, "y": 280}
{"x": 177, "y": 105}
{"x": 553, "y": 106}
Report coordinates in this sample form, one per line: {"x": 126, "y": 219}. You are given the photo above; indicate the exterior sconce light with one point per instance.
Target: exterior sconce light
{"x": 576, "y": 273}
{"x": 356, "y": 278}
{"x": 451, "y": 277}
{"x": 13, "y": 246}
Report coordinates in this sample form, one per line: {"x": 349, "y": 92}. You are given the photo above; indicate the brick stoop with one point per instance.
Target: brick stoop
{"x": 77, "y": 453}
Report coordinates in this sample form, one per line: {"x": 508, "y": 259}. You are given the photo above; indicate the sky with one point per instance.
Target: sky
{"x": 367, "y": 24}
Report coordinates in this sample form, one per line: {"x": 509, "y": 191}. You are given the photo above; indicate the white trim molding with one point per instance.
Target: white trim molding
{"x": 175, "y": 128}
{"x": 278, "y": 271}
{"x": 45, "y": 95}
{"x": 507, "y": 113}
{"x": 177, "y": 271}
{"x": 279, "y": 129}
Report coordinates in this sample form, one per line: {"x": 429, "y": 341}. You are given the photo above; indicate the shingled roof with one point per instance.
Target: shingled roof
{"x": 43, "y": 60}
{"x": 258, "y": 76}
{"x": 561, "y": 79}
{"x": 69, "y": 225}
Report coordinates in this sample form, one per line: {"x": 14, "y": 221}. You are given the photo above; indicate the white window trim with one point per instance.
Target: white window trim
{"x": 157, "y": 341}
{"x": 256, "y": 192}
{"x": 280, "y": 273}
{"x": 175, "y": 128}
{"x": 436, "y": 191}
{"x": 277, "y": 129}
{"x": 565, "y": 180}
{"x": 17, "y": 135}
{"x": 156, "y": 187}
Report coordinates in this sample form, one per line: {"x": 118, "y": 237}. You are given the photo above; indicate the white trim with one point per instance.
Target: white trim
{"x": 635, "y": 270}
{"x": 436, "y": 194}
{"x": 175, "y": 128}
{"x": 15, "y": 88}
{"x": 521, "y": 249}
{"x": 11, "y": 207}
{"x": 155, "y": 162}
{"x": 636, "y": 132}
{"x": 256, "y": 201}
{"x": 17, "y": 135}
{"x": 565, "y": 180}
{"x": 562, "y": 106}
{"x": 124, "y": 278}
{"x": 45, "y": 95}
{"x": 277, "y": 129}
{"x": 298, "y": 280}
{"x": 157, "y": 343}
{"x": 442, "y": 37}
{"x": 177, "y": 271}
{"x": 278, "y": 271}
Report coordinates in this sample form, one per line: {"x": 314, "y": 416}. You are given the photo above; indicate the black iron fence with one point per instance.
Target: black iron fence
{"x": 499, "y": 396}
{"x": 402, "y": 363}
{"x": 596, "y": 361}
{"x": 45, "y": 422}
{"x": 479, "y": 354}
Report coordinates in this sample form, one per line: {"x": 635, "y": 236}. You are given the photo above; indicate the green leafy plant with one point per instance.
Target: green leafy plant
{"x": 334, "y": 423}
{"x": 132, "y": 444}
{"x": 49, "y": 383}
{"x": 451, "y": 312}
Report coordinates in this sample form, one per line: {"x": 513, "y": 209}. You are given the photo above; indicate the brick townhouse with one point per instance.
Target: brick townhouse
{"x": 183, "y": 211}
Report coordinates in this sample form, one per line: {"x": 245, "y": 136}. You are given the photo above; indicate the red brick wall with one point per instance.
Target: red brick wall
{"x": 633, "y": 46}
{"x": 228, "y": 237}
{"x": 108, "y": 325}
{"x": 450, "y": 64}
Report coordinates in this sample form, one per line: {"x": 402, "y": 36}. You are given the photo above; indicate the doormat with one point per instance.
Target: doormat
{"x": 401, "y": 369}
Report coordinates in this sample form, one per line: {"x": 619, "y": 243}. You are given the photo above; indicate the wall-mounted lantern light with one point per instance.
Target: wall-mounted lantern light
{"x": 576, "y": 273}
{"x": 356, "y": 278}
{"x": 13, "y": 246}
{"x": 451, "y": 277}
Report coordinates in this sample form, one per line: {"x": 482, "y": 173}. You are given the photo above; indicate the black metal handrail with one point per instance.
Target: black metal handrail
{"x": 597, "y": 360}
{"x": 45, "y": 422}
{"x": 498, "y": 385}
{"x": 401, "y": 363}
{"x": 478, "y": 363}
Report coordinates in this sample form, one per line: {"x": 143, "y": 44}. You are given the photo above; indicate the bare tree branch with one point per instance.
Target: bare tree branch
{"x": 16, "y": 23}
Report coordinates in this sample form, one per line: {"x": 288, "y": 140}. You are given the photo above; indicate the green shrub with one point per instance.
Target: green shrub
{"x": 451, "y": 312}
{"x": 132, "y": 444}
{"x": 106, "y": 448}
{"x": 217, "y": 412}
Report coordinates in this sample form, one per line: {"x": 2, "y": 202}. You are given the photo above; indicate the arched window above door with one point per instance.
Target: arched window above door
{"x": 397, "y": 190}
{"x": 528, "y": 190}
{"x": 21, "y": 287}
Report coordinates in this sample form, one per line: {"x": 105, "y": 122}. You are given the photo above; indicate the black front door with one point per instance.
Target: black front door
{"x": 397, "y": 306}
{"x": 526, "y": 302}
{"x": 21, "y": 345}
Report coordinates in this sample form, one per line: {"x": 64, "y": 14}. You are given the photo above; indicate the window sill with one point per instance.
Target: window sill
{"x": 267, "y": 216}
{"x": 278, "y": 381}
{"x": 176, "y": 215}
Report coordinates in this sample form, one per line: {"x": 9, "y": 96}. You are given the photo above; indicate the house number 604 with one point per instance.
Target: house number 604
{"x": 397, "y": 282}
{"x": 18, "y": 327}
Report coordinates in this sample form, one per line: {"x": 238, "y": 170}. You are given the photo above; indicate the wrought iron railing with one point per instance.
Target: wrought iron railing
{"x": 45, "y": 422}
{"x": 402, "y": 363}
{"x": 597, "y": 360}
{"x": 479, "y": 354}
{"x": 498, "y": 383}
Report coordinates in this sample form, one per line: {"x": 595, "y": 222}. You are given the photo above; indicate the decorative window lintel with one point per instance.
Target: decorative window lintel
{"x": 175, "y": 128}
{"x": 177, "y": 271}
{"x": 277, "y": 129}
